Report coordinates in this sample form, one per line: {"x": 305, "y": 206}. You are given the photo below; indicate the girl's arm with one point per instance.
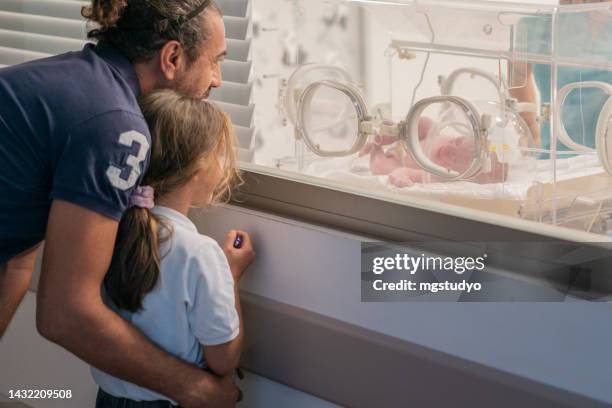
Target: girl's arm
{"x": 224, "y": 358}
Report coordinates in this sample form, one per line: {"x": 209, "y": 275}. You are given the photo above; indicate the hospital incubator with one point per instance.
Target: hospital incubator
{"x": 495, "y": 106}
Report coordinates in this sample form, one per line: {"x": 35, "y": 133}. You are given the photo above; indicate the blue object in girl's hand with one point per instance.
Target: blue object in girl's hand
{"x": 238, "y": 241}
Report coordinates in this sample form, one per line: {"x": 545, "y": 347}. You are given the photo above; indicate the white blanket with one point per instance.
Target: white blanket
{"x": 356, "y": 171}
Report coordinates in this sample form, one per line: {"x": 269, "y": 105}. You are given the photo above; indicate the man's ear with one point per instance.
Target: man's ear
{"x": 171, "y": 60}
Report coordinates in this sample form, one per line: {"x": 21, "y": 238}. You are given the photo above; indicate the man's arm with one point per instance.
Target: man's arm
{"x": 527, "y": 93}
{"x": 15, "y": 279}
{"x": 70, "y": 312}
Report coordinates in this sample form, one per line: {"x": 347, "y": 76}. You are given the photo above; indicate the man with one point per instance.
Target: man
{"x": 73, "y": 147}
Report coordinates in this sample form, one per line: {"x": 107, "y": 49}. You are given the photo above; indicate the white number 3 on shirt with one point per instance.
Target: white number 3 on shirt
{"x": 114, "y": 173}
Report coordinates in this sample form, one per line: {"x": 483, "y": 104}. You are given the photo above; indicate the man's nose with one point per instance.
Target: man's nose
{"x": 216, "y": 78}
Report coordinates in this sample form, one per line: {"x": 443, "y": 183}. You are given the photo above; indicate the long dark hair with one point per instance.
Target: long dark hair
{"x": 139, "y": 28}
{"x": 187, "y": 134}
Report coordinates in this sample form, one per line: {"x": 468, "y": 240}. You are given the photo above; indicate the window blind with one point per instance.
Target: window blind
{"x": 235, "y": 95}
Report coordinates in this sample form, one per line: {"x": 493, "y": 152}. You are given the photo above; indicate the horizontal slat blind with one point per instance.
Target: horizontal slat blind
{"x": 13, "y": 56}
{"x": 241, "y": 115}
{"x": 239, "y": 50}
{"x": 236, "y": 71}
{"x": 50, "y": 8}
{"x": 30, "y": 23}
{"x": 236, "y": 28}
{"x": 235, "y": 95}
{"x": 235, "y": 8}
{"x": 32, "y": 29}
{"x": 234, "y": 92}
{"x": 37, "y": 42}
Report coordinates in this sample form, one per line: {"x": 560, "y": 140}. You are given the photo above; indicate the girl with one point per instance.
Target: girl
{"x": 177, "y": 286}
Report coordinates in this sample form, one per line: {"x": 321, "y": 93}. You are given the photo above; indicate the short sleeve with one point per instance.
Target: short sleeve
{"x": 533, "y": 35}
{"x": 102, "y": 161}
{"x": 212, "y": 312}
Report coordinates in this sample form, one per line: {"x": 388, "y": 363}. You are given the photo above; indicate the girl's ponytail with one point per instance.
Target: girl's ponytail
{"x": 106, "y": 13}
{"x": 135, "y": 264}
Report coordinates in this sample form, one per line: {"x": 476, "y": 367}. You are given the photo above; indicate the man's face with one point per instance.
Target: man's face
{"x": 204, "y": 73}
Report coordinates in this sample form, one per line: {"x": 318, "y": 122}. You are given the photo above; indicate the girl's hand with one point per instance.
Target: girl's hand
{"x": 239, "y": 251}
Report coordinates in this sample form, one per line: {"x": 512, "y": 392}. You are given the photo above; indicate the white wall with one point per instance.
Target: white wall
{"x": 318, "y": 269}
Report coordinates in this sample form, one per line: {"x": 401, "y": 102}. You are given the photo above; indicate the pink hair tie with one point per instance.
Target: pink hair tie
{"x": 143, "y": 197}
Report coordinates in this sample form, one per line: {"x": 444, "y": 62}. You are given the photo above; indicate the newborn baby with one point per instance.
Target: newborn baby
{"x": 455, "y": 153}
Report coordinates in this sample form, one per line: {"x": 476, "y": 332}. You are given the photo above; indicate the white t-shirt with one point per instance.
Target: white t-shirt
{"x": 191, "y": 305}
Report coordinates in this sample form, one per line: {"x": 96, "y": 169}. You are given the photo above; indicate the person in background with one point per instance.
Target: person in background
{"x": 73, "y": 147}
{"x": 581, "y": 34}
{"x": 179, "y": 288}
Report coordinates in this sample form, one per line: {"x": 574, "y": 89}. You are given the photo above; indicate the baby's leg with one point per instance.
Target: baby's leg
{"x": 405, "y": 177}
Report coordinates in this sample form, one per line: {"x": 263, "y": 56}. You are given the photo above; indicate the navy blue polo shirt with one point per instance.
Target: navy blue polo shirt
{"x": 70, "y": 129}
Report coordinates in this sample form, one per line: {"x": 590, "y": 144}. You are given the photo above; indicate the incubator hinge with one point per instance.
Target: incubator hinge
{"x": 367, "y": 127}
{"x": 374, "y": 127}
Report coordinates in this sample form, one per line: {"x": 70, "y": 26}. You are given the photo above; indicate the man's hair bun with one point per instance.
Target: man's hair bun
{"x": 105, "y": 13}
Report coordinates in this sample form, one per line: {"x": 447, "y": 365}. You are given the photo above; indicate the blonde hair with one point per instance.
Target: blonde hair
{"x": 187, "y": 135}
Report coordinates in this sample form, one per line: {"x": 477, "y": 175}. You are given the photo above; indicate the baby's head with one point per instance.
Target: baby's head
{"x": 193, "y": 147}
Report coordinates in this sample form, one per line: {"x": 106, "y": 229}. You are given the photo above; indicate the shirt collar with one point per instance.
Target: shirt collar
{"x": 120, "y": 62}
{"x": 175, "y": 217}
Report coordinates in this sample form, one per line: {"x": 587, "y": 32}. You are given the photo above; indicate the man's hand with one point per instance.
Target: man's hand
{"x": 70, "y": 312}
{"x": 221, "y": 390}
